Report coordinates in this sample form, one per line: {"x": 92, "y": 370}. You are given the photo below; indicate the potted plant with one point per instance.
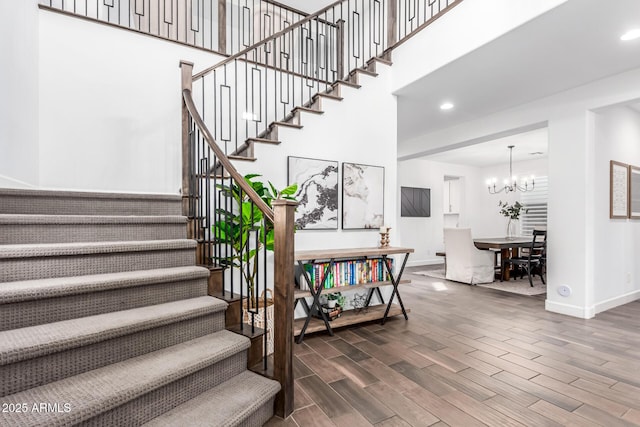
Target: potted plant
{"x": 511, "y": 211}
{"x": 237, "y": 223}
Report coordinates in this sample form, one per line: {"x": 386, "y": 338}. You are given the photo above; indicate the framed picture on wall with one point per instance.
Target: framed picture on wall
{"x": 634, "y": 192}
{"x": 618, "y": 190}
{"x": 317, "y": 192}
{"x": 362, "y": 196}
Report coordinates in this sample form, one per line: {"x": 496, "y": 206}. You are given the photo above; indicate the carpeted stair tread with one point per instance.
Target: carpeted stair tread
{"x": 87, "y": 194}
{"x": 91, "y": 219}
{"x": 34, "y": 341}
{"x": 28, "y": 290}
{"x": 92, "y": 393}
{"x": 87, "y": 248}
{"x": 228, "y": 404}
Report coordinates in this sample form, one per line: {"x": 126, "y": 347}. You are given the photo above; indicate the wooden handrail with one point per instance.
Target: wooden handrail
{"x": 222, "y": 158}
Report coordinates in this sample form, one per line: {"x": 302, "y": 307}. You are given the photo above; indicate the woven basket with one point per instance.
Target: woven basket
{"x": 259, "y": 317}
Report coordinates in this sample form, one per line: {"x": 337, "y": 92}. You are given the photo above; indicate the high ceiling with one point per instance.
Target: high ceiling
{"x": 571, "y": 45}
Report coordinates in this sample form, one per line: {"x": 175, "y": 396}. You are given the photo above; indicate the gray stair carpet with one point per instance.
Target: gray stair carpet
{"x": 100, "y": 392}
{"x": 105, "y": 318}
{"x": 251, "y": 398}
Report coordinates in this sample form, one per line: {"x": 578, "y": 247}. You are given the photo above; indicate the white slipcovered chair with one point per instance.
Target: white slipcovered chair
{"x": 465, "y": 262}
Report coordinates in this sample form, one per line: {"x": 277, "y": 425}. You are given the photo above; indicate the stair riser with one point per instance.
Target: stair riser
{"x": 64, "y": 205}
{"x": 153, "y": 404}
{"x": 53, "y": 367}
{"x": 16, "y": 234}
{"x": 47, "y": 310}
{"x": 12, "y": 269}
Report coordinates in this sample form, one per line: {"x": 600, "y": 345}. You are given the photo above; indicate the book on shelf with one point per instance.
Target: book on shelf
{"x": 345, "y": 273}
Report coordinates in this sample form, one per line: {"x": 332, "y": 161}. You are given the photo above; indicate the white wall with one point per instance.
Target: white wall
{"x": 479, "y": 209}
{"x": 616, "y": 249}
{"x": 19, "y": 157}
{"x": 482, "y": 21}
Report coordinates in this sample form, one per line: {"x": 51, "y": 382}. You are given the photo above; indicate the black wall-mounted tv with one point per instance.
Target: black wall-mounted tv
{"x": 415, "y": 202}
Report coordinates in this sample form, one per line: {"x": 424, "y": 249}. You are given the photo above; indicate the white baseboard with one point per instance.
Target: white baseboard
{"x": 422, "y": 262}
{"x": 569, "y": 310}
{"x": 617, "y": 301}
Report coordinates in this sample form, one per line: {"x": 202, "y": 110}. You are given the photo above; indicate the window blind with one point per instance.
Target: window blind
{"x": 536, "y": 204}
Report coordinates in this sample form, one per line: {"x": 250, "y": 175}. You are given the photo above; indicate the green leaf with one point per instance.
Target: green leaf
{"x": 290, "y": 190}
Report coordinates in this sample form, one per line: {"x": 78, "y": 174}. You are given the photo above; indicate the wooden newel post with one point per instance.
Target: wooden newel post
{"x": 392, "y": 22}
{"x": 186, "y": 70}
{"x": 284, "y": 226}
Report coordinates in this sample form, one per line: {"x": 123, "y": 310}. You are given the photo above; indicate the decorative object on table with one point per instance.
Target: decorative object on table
{"x": 634, "y": 192}
{"x": 332, "y": 313}
{"x": 359, "y": 302}
{"x": 317, "y": 192}
{"x": 511, "y": 183}
{"x": 512, "y": 212}
{"x": 244, "y": 233}
{"x": 384, "y": 236}
{"x": 415, "y": 202}
{"x": 362, "y": 196}
{"x": 618, "y": 190}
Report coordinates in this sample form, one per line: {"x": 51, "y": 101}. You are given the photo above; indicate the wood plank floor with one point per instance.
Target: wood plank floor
{"x": 470, "y": 356}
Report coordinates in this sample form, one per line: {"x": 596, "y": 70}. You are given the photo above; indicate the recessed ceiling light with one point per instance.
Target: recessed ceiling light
{"x": 446, "y": 106}
{"x": 631, "y": 35}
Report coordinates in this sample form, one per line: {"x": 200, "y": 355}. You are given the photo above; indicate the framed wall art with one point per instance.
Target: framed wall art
{"x": 415, "y": 202}
{"x": 634, "y": 192}
{"x": 362, "y": 196}
{"x": 317, "y": 192}
{"x": 618, "y": 190}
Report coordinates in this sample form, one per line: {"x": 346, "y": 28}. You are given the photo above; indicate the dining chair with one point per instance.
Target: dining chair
{"x": 465, "y": 262}
{"x": 534, "y": 261}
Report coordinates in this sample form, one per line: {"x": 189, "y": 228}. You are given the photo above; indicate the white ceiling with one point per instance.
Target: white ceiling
{"x": 571, "y": 45}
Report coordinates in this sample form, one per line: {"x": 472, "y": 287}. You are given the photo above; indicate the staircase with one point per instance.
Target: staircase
{"x": 105, "y": 318}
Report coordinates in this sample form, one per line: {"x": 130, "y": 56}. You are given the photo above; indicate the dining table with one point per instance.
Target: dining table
{"x": 507, "y": 247}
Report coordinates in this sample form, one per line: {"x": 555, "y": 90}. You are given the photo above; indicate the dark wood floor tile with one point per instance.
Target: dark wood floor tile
{"x": 440, "y": 358}
{"x": 571, "y": 354}
{"x": 409, "y": 411}
{"x": 300, "y": 398}
{"x": 632, "y": 400}
{"x": 626, "y": 388}
{"x": 608, "y": 373}
{"x": 440, "y": 424}
{"x": 633, "y": 416}
{"x": 540, "y": 368}
{"x": 321, "y": 367}
{"x": 422, "y": 340}
{"x": 279, "y": 422}
{"x": 599, "y": 402}
{"x": 522, "y": 398}
{"x": 352, "y": 370}
{"x": 533, "y": 336}
{"x": 483, "y": 332}
{"x": 300, "y": 349}
{"x": 509, "y": 348}
{"x": 387, "y": 375}
{"x": 479, "y": 411}
{"x": 561, "y": 416}
{"x": 300, "y": 370}
{"x": 468, "y": 387}
{"x": 551, "y": 396}
{"x": 370, "y": 336}
{"x": 602, "y": 417}
{"x": 574, "y": 370}
{"x": 422, "y": 378}
{"x": 377, "y": 352}
{"x": 448, "y": 343}
{"x": 322, "y": 347}
{"x": 351, "y": 419}
{"x": 472, "y": 362}
{"x": 505, "y": 365}
{"x": 325, "y": 397}
{"x": 442, "y": 409}
{"x": 520, "y": 413}
{"x": 349, "y": 336}
{"x": 478, "y": 345}
{"x": 394, "y": 422}
{"x": 349, "y": 350}
{"x": 367, "y": 405}
{"x": 312, "y": 416}
{"x": 407, "y": 354}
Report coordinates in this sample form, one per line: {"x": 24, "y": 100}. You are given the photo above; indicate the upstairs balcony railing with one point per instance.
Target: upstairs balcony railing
{"x": 223, "y": 26}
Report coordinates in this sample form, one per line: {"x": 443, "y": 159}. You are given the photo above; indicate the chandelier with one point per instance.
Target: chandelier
{"x": 511, "y": 183}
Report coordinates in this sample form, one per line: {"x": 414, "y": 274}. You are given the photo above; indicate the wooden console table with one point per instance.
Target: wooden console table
{"x": 331, "y": 256}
